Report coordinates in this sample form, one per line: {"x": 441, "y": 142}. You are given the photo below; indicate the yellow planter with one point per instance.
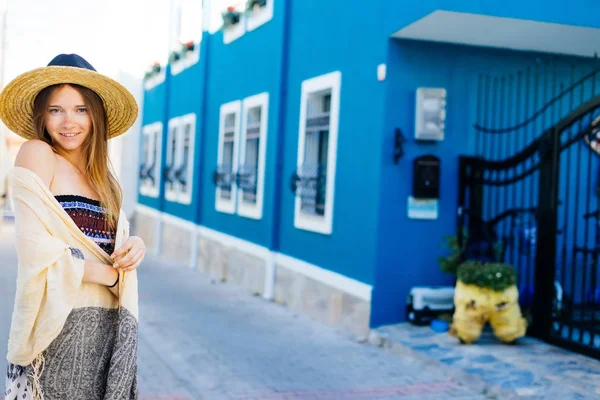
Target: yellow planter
{"x": 475, "y": 306}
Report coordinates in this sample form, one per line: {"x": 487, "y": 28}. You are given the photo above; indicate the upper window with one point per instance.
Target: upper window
{"x": 154, "y": 76}
{"x": 259, "y": 13}
{"x": 241, "y": 16}
{"x": 314, "y": 180}
{"x": 150, "y": 160}
{"x": 186, "y": 34}
{"x": 180, "y": 159}
{"x": 251, "y": 170}
{"x": 234, "y": 21}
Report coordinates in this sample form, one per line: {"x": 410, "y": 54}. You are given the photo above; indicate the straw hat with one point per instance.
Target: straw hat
{"x": 16, "y": 100}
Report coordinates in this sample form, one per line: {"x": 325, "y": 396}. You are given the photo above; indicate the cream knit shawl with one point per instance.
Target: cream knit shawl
{"x": 50, "y": 287}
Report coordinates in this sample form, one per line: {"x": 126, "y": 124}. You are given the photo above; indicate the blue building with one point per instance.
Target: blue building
{"x": 281, "y": 144}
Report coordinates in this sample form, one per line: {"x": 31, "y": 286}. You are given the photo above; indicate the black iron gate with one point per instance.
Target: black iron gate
{"x": 533, "y": 188}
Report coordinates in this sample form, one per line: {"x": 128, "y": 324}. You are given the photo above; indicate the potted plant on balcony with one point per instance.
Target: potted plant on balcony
{"x": 189, "y": 46}
{"x": 231, "y": 17}
{"x": 174, "y": 56}
{"x": 485, "y": 291}
{"x": 154, "y": 69}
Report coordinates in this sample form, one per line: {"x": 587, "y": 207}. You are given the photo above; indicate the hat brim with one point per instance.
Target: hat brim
{"x": 16, "y": 100}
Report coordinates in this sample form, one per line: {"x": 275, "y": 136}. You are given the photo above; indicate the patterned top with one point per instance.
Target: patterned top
{"x": 90, "y": 217}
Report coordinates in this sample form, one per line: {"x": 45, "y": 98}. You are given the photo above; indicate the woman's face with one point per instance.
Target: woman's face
{"x": 67, "y": 119}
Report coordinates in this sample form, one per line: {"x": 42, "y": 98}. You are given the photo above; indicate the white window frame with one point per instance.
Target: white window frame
{"x": 261, "y": 100}
{"x": 260, "y": 17}
{"x": 186, "y": 197}
{"x": 172, "y": 194}
{"x": 331, "y": 81}
{"x": 223, "y": 205}
{"x": 155, "y": 146}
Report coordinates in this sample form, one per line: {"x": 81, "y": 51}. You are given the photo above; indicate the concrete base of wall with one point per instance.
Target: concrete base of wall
{"x": 321, "y": 301}
{"x": 219, "y": 258}
{"x": 144, "y": 226}
{"x": 176, "y": 243}
{"x": 226, "y": 263}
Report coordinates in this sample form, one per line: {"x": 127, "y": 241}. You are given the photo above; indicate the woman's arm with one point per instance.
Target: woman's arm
{"x": 102, "y": 274}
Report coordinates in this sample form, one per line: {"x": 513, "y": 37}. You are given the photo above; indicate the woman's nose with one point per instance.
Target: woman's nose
{"x": 68, "y": 119}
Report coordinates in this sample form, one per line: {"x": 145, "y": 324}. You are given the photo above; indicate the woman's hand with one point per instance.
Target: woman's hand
{"x": 96, "y": 272}
{"x": 130, "y": 255}
{"x": 102, "y": 274}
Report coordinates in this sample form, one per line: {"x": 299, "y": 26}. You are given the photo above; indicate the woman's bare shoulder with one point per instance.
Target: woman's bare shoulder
{"x": 37, "y": 156}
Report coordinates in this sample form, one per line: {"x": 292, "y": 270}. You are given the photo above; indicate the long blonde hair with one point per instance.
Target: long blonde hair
{"x": 95, "y": 148}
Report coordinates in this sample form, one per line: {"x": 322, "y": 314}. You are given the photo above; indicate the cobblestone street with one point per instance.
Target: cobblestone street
{"x": 205, "y": 340}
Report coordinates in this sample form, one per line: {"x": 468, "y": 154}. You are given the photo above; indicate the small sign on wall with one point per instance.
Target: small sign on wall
{"x": 422, "y": 208}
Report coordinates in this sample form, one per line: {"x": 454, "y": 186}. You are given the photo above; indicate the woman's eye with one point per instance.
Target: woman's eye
{"x": 82, "y": 110}
{"x": 54, "y": 110}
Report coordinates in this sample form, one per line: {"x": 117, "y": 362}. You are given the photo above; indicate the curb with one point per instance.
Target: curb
{"x": 459, "y": 376}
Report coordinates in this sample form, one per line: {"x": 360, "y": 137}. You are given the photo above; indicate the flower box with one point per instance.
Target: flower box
{"x": 154, "y": 69}
{"x": 231, "y": 17}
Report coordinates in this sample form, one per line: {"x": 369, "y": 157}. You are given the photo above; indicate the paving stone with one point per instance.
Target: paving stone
{"x": 529, "y": 369}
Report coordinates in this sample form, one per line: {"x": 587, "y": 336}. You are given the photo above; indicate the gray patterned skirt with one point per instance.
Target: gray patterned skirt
{"x": 93, "y": 358}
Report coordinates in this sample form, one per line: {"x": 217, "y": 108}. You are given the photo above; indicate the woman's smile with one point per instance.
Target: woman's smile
{"x": 69, "y": 135}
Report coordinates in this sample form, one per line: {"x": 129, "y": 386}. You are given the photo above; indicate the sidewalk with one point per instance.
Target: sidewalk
{"x": 201, "y": 339}
{"x": 530, "y": 369}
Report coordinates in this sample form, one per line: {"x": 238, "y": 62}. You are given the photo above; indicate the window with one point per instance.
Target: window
{"x": 180, "y": 159}
{"x": 239, "y": 16}
{"x": 155, "y": 76}
{"x": 234, "y": 20}
{"x": 251, "y": 170}
{"x": 229, "y": 127}
{"x": 150, "y": 159}
{"x": 314, "y": 179}
{"x": 259, "y": 13}
{"x": 187, "y": 17}
{"x": 239, "y": 176}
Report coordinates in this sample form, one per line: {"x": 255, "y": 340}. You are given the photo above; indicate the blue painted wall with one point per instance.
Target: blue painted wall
{"x": 154, "y": 111}
{"x": 408, "y": 249}
{"x": 373, "y": 241}
{"x": 316, "y": 49}
{"x": 248, "y": 66}
{"x": 185, "y": 96}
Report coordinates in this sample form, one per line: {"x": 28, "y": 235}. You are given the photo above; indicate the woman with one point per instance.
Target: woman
{"x": 74, "y": 326}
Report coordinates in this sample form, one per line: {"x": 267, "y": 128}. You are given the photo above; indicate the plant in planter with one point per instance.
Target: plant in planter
{"x": 189, "y": 46}
{"x": 175, "y": 56}
{"x": 231, "y": 17}
{"x": 154, "y": 69}
{"x": 254, "y": 5}
{"x": 485, "y": 292}
{"x": 186, "y": 48}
